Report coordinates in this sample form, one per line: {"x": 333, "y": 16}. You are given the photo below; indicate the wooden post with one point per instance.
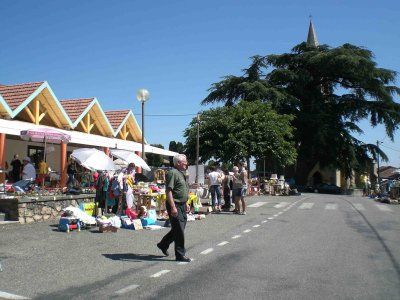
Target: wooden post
{"x": 2, "y": 156}
{"x": 37, "y": 111}
{"x": 63, "y": 165}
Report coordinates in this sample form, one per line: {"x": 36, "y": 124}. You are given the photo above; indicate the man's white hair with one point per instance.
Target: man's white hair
{"x": 178, "y": 158}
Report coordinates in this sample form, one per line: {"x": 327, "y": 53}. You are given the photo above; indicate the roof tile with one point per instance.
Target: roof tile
{"x": 115, "y": 117}
{"x": 15, "y": 94}
{"x": 75, "y": 107}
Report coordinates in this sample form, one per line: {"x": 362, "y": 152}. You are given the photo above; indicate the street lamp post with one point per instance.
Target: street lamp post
{"x": 197, "y": 148}
{"x": 379, "y": 177}
{"x": 142, "y": 95}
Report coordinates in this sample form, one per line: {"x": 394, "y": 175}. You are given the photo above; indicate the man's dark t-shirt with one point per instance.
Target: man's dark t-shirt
{"x": 16, "y": 166}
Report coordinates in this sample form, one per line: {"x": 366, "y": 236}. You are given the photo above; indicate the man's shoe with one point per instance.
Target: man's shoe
{"x": 184, "y": 259}
{"x": 163, "y": 250}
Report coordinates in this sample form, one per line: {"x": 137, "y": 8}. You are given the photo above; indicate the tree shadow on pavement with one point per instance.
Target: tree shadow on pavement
{"x": 135, "y": 257}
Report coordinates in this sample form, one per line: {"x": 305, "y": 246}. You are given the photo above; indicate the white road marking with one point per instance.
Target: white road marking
{"x": 127, "y": 289}
{"x": 270, "y": 218}
{"x": 331, "y": 206}
{"x": 383, "y": 207}
{"x": 209, "y": 250}
{"x": 4, "y": 295}
{"x": 265, "y": 221}
{"x": 306, "y": 206}
{"x": 158, "y": 274}
{"x": 279, "y": 213}
{"x": 359, "y": 206}
{"x": 223, "y": 243}
{"x": 247, "y": 231}
{"x": 276, "y": 215}
{"x": 236, "y": 236}
{"x": 281, "y": 205}
{"x": 255, "y": 226}
{"x": 185, "y": 262}
{"x": 257, "y": 204}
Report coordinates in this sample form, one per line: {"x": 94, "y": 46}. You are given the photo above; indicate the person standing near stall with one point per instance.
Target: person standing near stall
{"x": 215, "y": 189}
{"x": 177, "y": 191}
{"x": 29, "y": 171}
{"x": 227, "y": 185}
{"x": 16, "y": 168}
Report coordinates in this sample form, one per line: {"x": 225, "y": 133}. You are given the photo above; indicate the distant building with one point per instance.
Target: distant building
{"x": 389, "y": 172}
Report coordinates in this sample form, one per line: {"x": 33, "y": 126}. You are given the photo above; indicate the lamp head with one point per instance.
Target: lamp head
{"x": 142, "y": 95}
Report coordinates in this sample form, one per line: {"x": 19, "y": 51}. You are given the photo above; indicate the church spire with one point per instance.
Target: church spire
{"x": 312, "y": 36}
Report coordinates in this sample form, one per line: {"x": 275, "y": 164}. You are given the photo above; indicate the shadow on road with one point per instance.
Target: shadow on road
{"x": 135, "y": 257}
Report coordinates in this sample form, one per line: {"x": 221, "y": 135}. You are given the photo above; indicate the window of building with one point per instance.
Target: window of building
{"x": 36, "y": 154}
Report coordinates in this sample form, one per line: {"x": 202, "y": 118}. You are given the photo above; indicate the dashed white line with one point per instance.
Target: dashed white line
{"x": 207, "y": 251}
{"x": 265, "y": 221}
{"x": 279, "y": 213}
{"x": 127, "y": 289}
{"x": 270, "y": 218}
{"x": 255, "y": 226}
{"x": 276, "y": 215}
{"x": 236, "y": 236}
{"x": 223, "y": 243}
{"x": 184, "y": 262}
{"x": 281, "y": 205}
{"x": 247, "y": 230}
{"x": 4, "y": 295}
{"x": 383, "y": 207}
{"x": 359, "y": 206}
{"x": 306, "y": 206}
{"x": 257, "y": 204}
{"x": 331, "y": 206}
{"x": 158, "y": 274}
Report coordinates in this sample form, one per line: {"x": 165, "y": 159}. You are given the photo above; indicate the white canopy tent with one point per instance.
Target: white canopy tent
{"x": 14, "y": 127}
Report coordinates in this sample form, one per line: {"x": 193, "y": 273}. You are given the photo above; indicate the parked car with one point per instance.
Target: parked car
{"x": 326, "y": 188}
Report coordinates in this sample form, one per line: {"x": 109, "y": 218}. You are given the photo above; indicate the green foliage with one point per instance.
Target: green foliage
{"x": 328, "y": 90}
{"x": 155, "y": 160}
{"x": 251, "y": 129}
{"x": 176, "y": 147}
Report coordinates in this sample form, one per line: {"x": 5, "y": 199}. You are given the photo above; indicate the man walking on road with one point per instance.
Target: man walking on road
{"x": 177, "y": 191}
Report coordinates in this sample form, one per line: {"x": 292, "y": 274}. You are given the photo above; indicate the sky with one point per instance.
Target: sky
{"x": 177, "y": 49}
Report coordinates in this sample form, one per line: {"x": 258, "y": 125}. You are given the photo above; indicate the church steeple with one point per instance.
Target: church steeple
{"x": 312, "y": 36}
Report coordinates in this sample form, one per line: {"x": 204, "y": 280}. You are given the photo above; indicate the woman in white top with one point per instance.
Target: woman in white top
{"x": 215, "y": 189}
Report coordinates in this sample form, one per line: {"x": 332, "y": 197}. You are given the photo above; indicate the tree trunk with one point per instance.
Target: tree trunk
{"x": 304, "y": 167}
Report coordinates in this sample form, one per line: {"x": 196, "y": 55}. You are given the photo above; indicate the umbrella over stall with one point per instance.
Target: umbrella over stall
{"x": 93, "y": 159}
{"x": 130, "y": 157}
{"x": 46, "y": 135}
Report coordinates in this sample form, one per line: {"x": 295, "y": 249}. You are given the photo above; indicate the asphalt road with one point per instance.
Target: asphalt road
{"x": 307, "y": 247}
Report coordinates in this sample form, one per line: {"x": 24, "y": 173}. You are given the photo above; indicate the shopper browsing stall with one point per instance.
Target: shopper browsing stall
{"x": 215, "y": 188}
{"x": 16, "y": 168}
{"x": 28, "y": 172}
{"x": 129, "y": 179}
{"x": 239, "y": 191}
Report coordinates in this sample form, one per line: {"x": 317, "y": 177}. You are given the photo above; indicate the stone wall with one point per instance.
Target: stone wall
{"x": 35, "y": 209}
